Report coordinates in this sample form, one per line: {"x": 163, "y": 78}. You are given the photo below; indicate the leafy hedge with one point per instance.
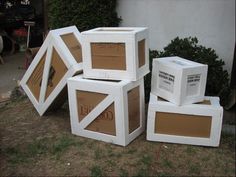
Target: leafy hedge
{"x": 188, "y": 48}
{"x": 85, "y": 14}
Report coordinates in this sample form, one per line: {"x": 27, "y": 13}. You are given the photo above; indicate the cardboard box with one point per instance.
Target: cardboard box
{"x": 196, "y": 124}
{"x": 59, "y": 58}
{"x": 178, "y": 80}
{"x": 116, "y": 53}
{"x": 110, "y": 111}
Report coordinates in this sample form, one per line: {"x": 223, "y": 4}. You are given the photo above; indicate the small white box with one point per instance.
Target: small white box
{"x": 178, "y": 80}
{"x": 116, "y": 53}
{"x": 59, "y": 58}
{"x": 195, "y": 124}
{"x": 109, "y": 111}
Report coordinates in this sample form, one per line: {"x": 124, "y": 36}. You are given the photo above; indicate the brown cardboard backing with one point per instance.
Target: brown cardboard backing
{"x": 134, "y": 109}
{"x": 73, "y": 45}
{"x": 86, "y": 101}
{"x": 108, "y": 56}
{"x": 56, "y": 71}
{"x": 183, "y": 124}
{"x": 105, "y": 122}
{"x": 141, "y": 52}
{"x": 35, "y": 80}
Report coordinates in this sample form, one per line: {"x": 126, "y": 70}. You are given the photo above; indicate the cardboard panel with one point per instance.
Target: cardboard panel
{"x": 105, "y": 122}
{"x": 73, "y": 45}
{"x": 35, "y": 80}
{"x": 57, "y": 70}
{"x": 134, "y": 109}
{"x": 108, "y": 56}
{"x": 183, "y": 125}
{"x": 86, "y": 101}
{"x": 141, "y": 52}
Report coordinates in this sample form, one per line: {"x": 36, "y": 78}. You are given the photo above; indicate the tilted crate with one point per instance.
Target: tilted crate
{"x": 59, "y": 58}
{"x": 110, "y": 111}
{"x": 178, "y": 80}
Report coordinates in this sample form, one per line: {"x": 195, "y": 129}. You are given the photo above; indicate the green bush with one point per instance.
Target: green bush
{"x": 85, "y": 14}
{"x": 188, "y": 48}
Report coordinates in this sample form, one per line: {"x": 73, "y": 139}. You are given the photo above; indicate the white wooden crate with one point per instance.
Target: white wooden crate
{"x": 110, "y": 111}
{"x": 59, "y": 58}
{"x": 178, "y": 80}
{"x": 195, "y": 124}
{"x": 116, "y": 53}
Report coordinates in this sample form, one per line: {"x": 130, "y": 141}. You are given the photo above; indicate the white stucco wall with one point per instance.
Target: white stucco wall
{"x": 211, "y": 21}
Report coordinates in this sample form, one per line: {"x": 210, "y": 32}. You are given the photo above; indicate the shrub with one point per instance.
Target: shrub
{"x": 82, "y": 13}
{"x": 188, "y": 48}
{"x": 147, "y": 78}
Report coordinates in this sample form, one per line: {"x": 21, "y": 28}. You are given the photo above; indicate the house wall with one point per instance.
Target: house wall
{"x": 211, "y": 21}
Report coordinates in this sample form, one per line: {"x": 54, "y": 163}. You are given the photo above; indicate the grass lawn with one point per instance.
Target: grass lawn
{"x": 44, "y": 146}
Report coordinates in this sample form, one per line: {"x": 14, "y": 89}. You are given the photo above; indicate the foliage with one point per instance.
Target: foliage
{"x": 82, "y": 13}
{"x": 147, "y": 79}
{"x": 188, "y": 48}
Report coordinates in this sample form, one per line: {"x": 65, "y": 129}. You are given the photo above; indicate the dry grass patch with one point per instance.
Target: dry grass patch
{"x": 44, "y": 146}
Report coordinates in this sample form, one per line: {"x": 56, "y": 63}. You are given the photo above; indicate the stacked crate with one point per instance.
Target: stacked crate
{"x": 107, "y": 102}
{"x": 178, "y": 110}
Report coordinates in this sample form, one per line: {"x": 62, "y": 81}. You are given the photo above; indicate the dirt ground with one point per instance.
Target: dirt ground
{"x": 44, "y": 146}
